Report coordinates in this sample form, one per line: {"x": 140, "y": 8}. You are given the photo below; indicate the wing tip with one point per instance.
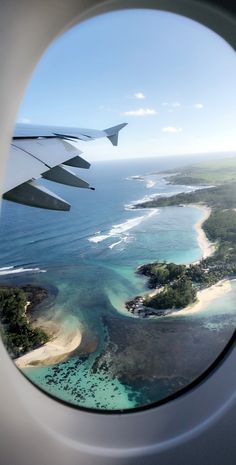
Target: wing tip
{"x": 113, "y": 132}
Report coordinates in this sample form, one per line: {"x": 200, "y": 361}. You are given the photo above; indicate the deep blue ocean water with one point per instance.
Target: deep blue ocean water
{"x": 90, "y": 255}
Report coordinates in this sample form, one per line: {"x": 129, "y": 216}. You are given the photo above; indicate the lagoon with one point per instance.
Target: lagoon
{"x": 90, "y": 256}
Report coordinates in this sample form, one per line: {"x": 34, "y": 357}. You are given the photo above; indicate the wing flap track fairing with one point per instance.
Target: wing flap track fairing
{"x": 34, "y": 195}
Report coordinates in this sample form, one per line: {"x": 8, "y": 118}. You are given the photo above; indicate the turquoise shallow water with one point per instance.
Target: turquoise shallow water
{"x": 90, "y": 255}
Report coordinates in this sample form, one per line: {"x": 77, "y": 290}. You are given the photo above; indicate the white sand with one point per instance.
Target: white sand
{"x": 208, "y": 248}
{"x": 155, "y": 292}
{"x": 205, "y": 297}
{"x": 63, "y": 342}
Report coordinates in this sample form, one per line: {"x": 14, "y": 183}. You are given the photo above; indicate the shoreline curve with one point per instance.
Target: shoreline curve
{"x": 207, "y": 247}
{"x": 63, "y": 342}
{"x": 204, "y": 297}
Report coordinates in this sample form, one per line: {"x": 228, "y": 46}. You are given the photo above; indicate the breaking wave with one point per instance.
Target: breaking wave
{"x": 137, "y": 177}
{"x": 146, "y": 198}
{"x": 12, "y": 270}
{"x": 150, "y": 184}
{"x": 124, "y": 240}
{"x": 121, "y": 230}
{"x": 155, "y": 195}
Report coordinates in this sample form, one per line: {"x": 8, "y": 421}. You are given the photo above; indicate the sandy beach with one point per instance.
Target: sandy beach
{"x": 205, "y": 297}
{"x": 208, "y": 248}
{"x": 155, "y": 292}
{"x": 64, "y": 340}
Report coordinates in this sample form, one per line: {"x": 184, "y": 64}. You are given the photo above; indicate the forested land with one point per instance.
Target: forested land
{"x": 210, "y": 172}
{"x": 16, "y": 329}
{"x": 179, "y": 284}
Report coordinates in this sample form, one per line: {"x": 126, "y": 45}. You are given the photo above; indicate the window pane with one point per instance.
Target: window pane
{"x": 130, "y": 296}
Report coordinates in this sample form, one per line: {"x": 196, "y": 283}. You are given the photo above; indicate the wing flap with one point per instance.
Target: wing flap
{"x": 21, "y": 167}
{"x": 50, "y": 152}
{"x": 29, "y": 159}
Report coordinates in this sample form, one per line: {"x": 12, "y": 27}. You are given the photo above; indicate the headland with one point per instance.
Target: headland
{"x": 183, "y": 288}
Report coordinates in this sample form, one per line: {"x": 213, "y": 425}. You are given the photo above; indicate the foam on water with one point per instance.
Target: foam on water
{"x": 97, "y": 239}
{"x": 135, "y": 178}
{"x": 146, "y": 198}
{"x": 155, "y": 195}
{"x": 121, "y": 229}
{"x": 115, "y": 244}
{"x": 150, "y": 184}
{"x": 5, "y": 270}
{"x": 93, "y": 286}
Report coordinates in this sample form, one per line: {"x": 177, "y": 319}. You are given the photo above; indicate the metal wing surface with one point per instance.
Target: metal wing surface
{"x": 46, "y": 152}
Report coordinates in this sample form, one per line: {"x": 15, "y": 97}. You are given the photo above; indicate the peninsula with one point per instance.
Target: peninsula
{"x": 33, "y": 339}
{"x": 17, "y": 305}
{"x": 177, "y": 286}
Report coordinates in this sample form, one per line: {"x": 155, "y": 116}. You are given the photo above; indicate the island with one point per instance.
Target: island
{"x": 178, "y": 287}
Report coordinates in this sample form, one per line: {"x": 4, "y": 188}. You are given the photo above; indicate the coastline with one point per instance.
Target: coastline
{"x": 64, "y": 341}
{"x": 204, "y": 297}
{"x": 208, "y": 248}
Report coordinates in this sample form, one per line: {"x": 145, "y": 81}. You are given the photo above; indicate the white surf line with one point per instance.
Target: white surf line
{"x": 146, "y": 198}
{"x": 119, "y": 230}
{"x": 150, "y": 184}
{"x": 135, "y": 178}
{"x": 12, "y": 270}
{"x": 115, "y": 244}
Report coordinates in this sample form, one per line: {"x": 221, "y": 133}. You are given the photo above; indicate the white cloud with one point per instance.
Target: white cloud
{"x": 176, "y": 105}
{"x": 171, "y": 129}
{"x": 198, "y": 106}
{"x": 139, "y": 95}
{"x": 171, "y": 105}
{"x": 140, "y": 112}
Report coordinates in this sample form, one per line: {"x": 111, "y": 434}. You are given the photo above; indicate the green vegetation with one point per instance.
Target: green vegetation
{"x": 210, "y": 172}
{"x": 17, "y": 333}
{"x": 177, "y": 295}
{"x": 161, "y": 273}
{"x": 222, "y": 197}
{"x": 178, "y": 283}
{"x": 179, "y": 289}
{"x": 221, "y": 225}
{"x": 187, "y": 180}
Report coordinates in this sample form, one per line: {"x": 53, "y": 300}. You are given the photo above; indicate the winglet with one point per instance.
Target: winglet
{"x": 112, "y": 133}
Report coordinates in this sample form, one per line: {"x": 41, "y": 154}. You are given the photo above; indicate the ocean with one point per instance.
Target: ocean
{"x": 87, "y": 258}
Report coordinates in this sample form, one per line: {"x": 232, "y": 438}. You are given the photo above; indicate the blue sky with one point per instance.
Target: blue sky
{"x": 170, "y": 78}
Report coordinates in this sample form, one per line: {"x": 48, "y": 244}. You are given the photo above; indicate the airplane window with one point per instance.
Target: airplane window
{"x": 121, "y": 298}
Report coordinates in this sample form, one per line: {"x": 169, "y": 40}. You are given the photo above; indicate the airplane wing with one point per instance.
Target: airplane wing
{"x": 46, "y": 152}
